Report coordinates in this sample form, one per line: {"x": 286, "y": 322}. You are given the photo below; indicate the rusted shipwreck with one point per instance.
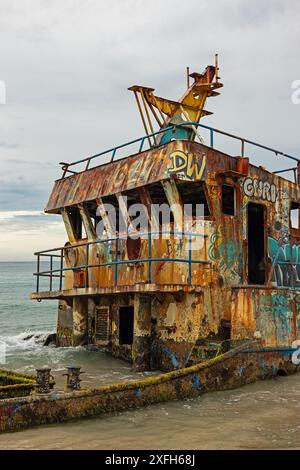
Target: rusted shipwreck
{"x": 211, "y": 315}
{"x": 154, "y": 300}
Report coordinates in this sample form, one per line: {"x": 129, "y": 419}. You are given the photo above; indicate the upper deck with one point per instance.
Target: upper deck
{"x": 87, "y": 179}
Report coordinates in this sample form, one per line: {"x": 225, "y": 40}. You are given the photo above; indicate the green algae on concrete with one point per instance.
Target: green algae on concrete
{"x": 229, "y": 370}
{"x": 15, "y": 384}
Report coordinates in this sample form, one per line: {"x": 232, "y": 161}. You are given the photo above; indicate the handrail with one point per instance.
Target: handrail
{"x": 52, "y": 271}
{"x": 120, "y": 237}
{"x": 113, "y": 150}
{"x": 65, "y": 166}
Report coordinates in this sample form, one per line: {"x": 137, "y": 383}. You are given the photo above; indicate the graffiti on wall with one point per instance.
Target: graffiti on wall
{"x": 253, "y": 187}
{"x": 276, "y": 309}
{"x": 227, "y": 253}
{"x": 285, "y": 258}
{"x": 244, "y": 213}
{"x": 130, "y": 173}
{"x": 187, "y": 165}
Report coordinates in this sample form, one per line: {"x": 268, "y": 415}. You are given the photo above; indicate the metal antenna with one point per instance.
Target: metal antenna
{"x": 188, "y": 77}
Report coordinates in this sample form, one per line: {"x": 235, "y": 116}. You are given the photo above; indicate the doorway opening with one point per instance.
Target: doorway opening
{"x": 256, "y": 244}
{"x": 126, "y": 317}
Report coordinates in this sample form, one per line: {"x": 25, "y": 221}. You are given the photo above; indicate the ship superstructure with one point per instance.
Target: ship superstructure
{"x": 179, "y": 292}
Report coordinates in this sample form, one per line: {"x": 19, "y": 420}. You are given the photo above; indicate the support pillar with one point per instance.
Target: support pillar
{"x": 80, "y": 321}
{"x": 64, "y": 329}
{"x": 175, "y": 203}
{"x": 141, "y": 347}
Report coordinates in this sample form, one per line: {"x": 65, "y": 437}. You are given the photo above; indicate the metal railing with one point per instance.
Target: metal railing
{"x": 59, "y": 254}
{"x": 212, "y": 131}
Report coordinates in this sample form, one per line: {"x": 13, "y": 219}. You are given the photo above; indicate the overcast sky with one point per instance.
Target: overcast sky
{"x": 67, "y": 65}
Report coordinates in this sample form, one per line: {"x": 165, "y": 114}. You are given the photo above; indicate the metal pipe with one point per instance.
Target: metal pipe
{"x": 155, "y": 115}
{"x": 188, "y": 77}
{"x": 61, "y": 268}
{"x": 129, "y": 261}
{"x": 51, "y": 269}
{"x": 190, "y": 261}
{"x": 242, "y": 147}
{"x": 141, "y": 146}
{"x": 284, "y": 171}
{"x": 87, "y": 267}
{"x": 149, "y": 256}
{"x": 116, "y": 262}
{"x": 142, "y": 117}
{"x": 148, "y": 117}
{"x": 161, "y": 131}
{"x": 38, "y": 276}
{"x": 113, "y": 155}
{"x": 212, "y": 138}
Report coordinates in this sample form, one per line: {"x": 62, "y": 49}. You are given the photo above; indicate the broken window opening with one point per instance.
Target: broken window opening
{"x": 137, "y": 212}
{"x": 256, "y": 244}
{"x": 91, "y": 206}
{"x": 295, "y": 215}
{"x": 158, "y": 197}
{"x": 193, "y": 193}
{"x": 76, "y": 222}
{"x": 137, "y": 222}
{"x": 126, "y": 318}
{"x": 228, "y": 199}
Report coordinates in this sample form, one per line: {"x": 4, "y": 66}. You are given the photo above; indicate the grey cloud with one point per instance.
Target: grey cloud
{"x": 67, "y": 88}
{"x": 20, "y": 161}
{"x": 20, "y": 194}
{"x": 28, "y": 223}
{"x": 6, "y": 145}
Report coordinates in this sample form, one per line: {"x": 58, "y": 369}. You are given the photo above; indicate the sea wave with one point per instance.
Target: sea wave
{"x": 24, "y": 352}
{"x": 25, "y": 341}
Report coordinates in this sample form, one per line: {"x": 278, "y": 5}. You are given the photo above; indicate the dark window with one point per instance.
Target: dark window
{"x": 158, "y": 197}
{"x": 228, "y": 199}
{"x": 136, "y": 214}
{"x": 112, "y": 207}
{"x": 91, "y": 206}
{"x": 193, "y": 193}
{"x": 256, "y": 244}
{"x": 126, "y": 315}
{"x": 295, "y": 215}
{"x": 76, "y": 222}
{"x": 133, "y": 197}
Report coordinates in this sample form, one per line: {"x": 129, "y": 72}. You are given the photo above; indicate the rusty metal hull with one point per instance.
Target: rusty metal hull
{"x": 240, "y": 366}
{"x": 179, "y": 320}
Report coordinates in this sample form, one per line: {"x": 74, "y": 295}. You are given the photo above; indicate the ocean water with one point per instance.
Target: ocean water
{"x": 17, "y": 312}
{"x": 264, "y": 415}
{"x": 24, "y": 325}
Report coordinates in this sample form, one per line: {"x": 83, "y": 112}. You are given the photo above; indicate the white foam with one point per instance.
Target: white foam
{"x": 25, "y": 341}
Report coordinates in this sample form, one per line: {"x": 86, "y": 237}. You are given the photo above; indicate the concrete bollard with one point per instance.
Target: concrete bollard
{"x": 73, "y": 377}
{"x": 43, "y": 377}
